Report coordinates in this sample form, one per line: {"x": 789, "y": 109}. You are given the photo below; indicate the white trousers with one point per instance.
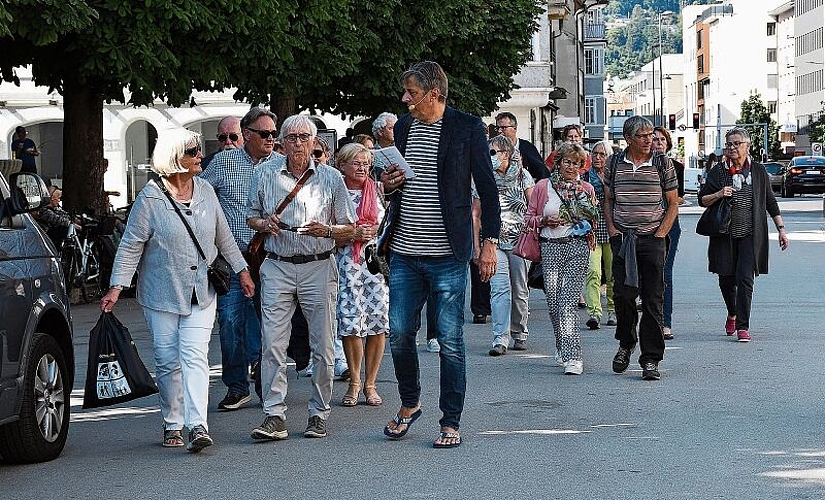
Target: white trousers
{"x": 181, "y": 346}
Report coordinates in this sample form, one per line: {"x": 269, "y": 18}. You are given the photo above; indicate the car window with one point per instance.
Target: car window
{"x": 773, "y": 168}
{"x": 809, "y": 160}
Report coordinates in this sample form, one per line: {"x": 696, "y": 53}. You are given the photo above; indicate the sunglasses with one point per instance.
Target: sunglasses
{"x": 232, "y": 137}
{"x": 263, "y": 133}
{"x": 193, "y": 151}
{"x": 494, "y": 152}
{"x": 317, "y": 153}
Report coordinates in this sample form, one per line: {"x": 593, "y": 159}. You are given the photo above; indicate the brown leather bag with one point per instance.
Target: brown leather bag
{"x": 256, "y": 253}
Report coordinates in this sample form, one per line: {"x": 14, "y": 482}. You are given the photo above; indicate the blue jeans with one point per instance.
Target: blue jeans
{"x": 441, "y": 282}
{"x": 508, "y": 298}
{"x": 240, "y": 335}
{"x": 667, "y": 305}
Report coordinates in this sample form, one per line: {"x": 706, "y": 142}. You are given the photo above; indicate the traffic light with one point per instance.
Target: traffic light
{"x": 671, "y": 122}
{"x": 695, "y": 121}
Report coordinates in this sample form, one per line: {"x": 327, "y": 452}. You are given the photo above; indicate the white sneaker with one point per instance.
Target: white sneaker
{"x": 573, "y": 367}
{"x": 432, "y": 346}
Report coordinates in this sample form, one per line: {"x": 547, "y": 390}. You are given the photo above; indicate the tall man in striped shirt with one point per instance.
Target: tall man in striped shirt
{"x": 430, "y": 239}
{"x": 640, "y": 205}
{"x": 299, "y": 268}
{"x": 230, "y": 174}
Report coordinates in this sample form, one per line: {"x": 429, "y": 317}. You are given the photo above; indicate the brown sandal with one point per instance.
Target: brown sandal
{"x": 172, "y": 439}
{"x": 349, "y": 398}
{"x": 373, "y": 398}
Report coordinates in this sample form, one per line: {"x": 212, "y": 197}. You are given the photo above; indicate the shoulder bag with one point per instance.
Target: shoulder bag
{"x": 715, "y": 220}
{"x": 219, "y": 272}
{"x": 256, "y": 253}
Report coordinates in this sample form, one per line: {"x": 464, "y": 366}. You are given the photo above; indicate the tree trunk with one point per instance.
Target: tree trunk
{"x": 82, "y": 147}
{"x": 283, "y": 106}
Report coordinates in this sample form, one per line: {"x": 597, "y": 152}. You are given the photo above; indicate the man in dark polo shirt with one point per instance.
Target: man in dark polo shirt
{"x": 640, "y": 205}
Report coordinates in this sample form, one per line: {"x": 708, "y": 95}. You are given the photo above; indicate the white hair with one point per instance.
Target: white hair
{"x": 170, "y": 149}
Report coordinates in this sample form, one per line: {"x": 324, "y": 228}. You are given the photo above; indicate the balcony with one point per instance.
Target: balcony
{"x": 594, "y": 31}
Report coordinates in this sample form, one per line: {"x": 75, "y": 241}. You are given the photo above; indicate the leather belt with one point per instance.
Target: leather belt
{"x": 299, "y": 259}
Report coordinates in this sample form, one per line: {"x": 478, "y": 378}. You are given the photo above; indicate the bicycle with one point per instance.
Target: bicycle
{"x": 81, "y": 258}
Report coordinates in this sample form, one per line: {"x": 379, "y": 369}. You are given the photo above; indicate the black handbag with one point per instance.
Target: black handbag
{"x": 114, "y": 371}
{"x": 219, "y": 272}
{"x": 715, "y": 220}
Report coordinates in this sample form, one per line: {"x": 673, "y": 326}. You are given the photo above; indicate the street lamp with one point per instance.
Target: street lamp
{"x": 666, "y": 13}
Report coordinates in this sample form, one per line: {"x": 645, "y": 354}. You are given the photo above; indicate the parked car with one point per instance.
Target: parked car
{"x": 774, "y": 169}
{"x": 804, "y": 174}
{"x": 36, "y": 353}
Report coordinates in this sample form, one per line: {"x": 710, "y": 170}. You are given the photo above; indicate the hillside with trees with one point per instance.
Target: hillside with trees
{"x": 633, "y": 33}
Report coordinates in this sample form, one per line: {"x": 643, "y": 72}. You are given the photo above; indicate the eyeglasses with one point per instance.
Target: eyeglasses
{"x": 232, "y": 137}
{"x": 494, "y": 152}
{"x": 263, "y": 133}
{"x": 193, "y": 152}
{"x": 317, "y": 153}
{"x": 644, "y": 136}
{"x": 359, "y": 164}
{"x": 735, "y": 144}
{"x": 569, "y": 163}
{"x": 599, "y": 154}
{"x": 505, "y": 127}
{"x": 295, "y": 137}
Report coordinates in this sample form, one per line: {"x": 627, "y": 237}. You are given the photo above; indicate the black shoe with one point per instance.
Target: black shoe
{"x": 650, "y": 371}
{"x": 519, "y": 345}
{"x": 667, "y": 333}
{"x": 593, "y": 323}
{"x": 480, "y": 319}
{"x": 316, "y": 427}
{"x": 498, "y": 350}
{"x": 233, "y": 401}
{"x": 273, "y": 428}
{"x": 621, "y": 360}
{"x": 198, "y": 439}
{"x": 582, "y": 304}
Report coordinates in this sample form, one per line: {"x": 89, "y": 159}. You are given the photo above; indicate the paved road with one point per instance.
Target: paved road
{"x": 727, "y": 420}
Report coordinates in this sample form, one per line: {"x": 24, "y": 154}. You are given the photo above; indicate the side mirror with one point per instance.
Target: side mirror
{"x": 28, "y": 192}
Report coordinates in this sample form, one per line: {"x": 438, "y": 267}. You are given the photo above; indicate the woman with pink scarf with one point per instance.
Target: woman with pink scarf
{"x": 363, "y": 298}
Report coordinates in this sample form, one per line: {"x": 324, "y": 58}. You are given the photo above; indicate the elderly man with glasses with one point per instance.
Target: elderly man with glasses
{"x": 305, "y": 207}
{"x": 230, "y": 174}
{"x": 640, "y": 205}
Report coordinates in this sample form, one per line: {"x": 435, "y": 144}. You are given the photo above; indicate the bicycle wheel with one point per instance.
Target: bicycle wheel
{"x": 91, "y": 289}
{"x": 70, "y": 261}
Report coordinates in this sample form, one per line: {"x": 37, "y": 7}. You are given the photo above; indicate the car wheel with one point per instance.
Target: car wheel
{"x": 40, "y": 433}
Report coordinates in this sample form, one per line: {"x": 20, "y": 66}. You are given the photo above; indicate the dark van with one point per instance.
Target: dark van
{"x": 36, "y": 352}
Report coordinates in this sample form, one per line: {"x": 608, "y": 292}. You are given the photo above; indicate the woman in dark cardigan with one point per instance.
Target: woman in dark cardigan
{"x": 742, "y": 253}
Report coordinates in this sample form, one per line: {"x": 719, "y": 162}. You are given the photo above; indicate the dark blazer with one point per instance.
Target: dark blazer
{"x": 463, "y": 157}
{"x": 720, "y": 249}
{"x": 531, "y": 159}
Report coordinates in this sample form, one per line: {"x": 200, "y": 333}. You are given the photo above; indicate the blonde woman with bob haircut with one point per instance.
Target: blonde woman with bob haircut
{"x": 178, "y": 302}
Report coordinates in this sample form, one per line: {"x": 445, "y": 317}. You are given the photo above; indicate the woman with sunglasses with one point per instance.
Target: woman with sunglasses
{"x": 178, "y": 302}
{"x": 564, "y": 209}
{"x": 508, "y": 287}
{"x": 363, "y": 297}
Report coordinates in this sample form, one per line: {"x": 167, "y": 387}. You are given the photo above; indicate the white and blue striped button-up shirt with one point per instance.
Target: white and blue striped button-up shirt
{"x": 324, "y": 198}
{"x": 230, "y": 173}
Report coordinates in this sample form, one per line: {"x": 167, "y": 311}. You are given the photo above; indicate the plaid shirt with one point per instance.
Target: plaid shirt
{"x": 230, "y": 173}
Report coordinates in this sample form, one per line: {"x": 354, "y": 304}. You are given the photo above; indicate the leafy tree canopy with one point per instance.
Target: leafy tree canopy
{"x": 753, "y": 110}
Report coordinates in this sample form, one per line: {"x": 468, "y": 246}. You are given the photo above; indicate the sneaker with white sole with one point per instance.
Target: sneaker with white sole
{"x": 743, "y": 336}
{"x": 316, "y": 427}
{"x": 574, "y": 367}
{"x": 433, "y": 346}
{"x": 611, "y": 319}
{"x": 593, "y": 322}
{"x": 198, "y": 439}
{"x": 233, "y": 400}
{"x": 273, "y": 428}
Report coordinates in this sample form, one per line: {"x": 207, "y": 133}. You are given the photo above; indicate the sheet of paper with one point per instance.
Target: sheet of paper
{"x": 391, "y": 155}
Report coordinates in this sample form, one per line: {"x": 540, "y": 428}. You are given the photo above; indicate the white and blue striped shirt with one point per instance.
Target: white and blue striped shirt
{"x": 420, "y": 227}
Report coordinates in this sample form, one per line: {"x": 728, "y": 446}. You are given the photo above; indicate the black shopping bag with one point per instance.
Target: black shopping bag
{"x": 115, "y": 373}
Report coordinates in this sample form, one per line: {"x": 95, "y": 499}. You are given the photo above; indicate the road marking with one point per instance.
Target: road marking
{"x": 540, "y": 432}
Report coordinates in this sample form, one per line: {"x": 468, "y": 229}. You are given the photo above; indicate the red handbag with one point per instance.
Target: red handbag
{"x": 527, "y": 245}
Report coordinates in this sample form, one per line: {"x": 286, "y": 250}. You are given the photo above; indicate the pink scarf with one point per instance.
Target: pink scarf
{"x": 367, "y": 212}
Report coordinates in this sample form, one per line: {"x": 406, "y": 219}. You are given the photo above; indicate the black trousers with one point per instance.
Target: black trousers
{"x": 650, "y": 261}
{"x": 737, "y": 290}
{"x": 479, "y": 293}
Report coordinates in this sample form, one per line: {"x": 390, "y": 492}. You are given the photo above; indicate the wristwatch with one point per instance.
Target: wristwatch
{"x": 780, "y": 228}
{"x": 492, "y": 240}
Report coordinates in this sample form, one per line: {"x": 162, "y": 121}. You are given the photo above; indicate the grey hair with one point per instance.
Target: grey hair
{"x": 349, "y": 151}
{"x": 510, "y": 116}
{"x": 297, "y": 121}
{"x": 170, "y": 149}
{"x": 607, "y": 145}
{"x": 381, "y": 122}
{"x": 428, "y": 75}
{"x": 739, "y": 131}
{"x": 502, "y": 143}
{"x": 255, "y": 113}
{"x": 571, "y": 149}
{"x": 634, "y": 124}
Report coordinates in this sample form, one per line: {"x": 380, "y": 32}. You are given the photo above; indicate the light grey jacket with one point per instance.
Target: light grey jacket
{"x": 157, "y": 244}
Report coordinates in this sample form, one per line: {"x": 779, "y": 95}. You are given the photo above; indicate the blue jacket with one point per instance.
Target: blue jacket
{"x": 463, "y": 157}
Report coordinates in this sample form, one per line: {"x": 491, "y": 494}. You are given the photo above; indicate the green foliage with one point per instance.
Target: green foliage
{"x": 816, "y": 130}
{"x": 632, "y": 45}
{"x": 754, "y": 110}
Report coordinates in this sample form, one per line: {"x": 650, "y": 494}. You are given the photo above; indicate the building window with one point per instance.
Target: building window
{"x": 700, "y": 64}
{"x": 771, "y": 55}
{"x": 589, "y": 110}
{"x": 772, "y": 81}
{"x": 771, "y": 29}
{"x": 699, "y": 39}
{"x": 593, "y": 61}
{"x": 772, "y": 107}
